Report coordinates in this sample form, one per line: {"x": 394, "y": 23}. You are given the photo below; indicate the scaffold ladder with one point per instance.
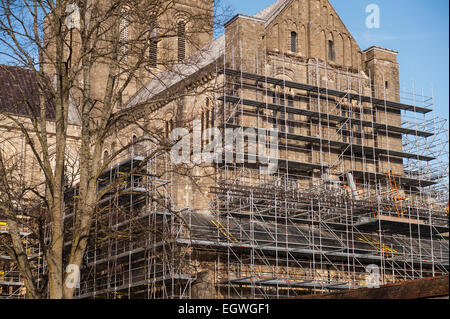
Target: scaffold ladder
{"x": 395, "y": 193}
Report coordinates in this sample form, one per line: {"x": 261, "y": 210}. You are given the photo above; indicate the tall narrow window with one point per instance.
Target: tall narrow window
{"x": 153, "y": 53}
{"x": 358, "y": 129}
{"x": 330, "y": 50}
{"x": 181, "y": 40}
{"x": 105, "y": 157}
{"x": 209, "y": 106}
{"x": 134, "y": 146}
{"x": 208, "y": 120}
{"x": 283, "y": 122}
{"x": 123, "y": 30}
{"x": 282, "y": 115}
{"x": 274, "y": 119}
{"x": 169, "y": 128}
{"x": 203, "y": 126}
{"x": 153, "y": 47}
{"x": 344, "y": 128}
{"x": 290, "y": 115}
{"x": 293, "y": 41}
{"x": 274, "y": 112}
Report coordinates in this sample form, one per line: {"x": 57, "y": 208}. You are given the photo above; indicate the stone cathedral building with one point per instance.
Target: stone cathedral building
{"x": 354, "y": 190}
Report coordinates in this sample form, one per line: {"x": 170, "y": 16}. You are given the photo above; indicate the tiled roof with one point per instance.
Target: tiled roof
{"x": 19, "y": 87}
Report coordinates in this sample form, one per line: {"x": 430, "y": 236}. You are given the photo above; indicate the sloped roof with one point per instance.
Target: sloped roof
{"x": 197, "y": 61}
{"x": 272, "y": 10}
{"x": 18, "y": 88}
{"x": 179, "y": 72}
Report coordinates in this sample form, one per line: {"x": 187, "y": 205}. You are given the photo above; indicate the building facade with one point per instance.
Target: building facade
{"x": 353, "y": 194}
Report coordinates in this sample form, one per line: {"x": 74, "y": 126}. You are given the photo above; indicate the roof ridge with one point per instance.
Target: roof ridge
{"x": 271, "y": 10}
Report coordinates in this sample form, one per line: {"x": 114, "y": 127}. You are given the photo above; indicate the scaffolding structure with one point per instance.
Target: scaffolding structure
{"x": 339, "y": 205}
{"x": 132, "y": 249}
{"x": 361, "y": 183}
{"x": 343, "y": 199}
{"x": 11, "y": 283}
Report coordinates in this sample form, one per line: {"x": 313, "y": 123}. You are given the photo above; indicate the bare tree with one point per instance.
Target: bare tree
{"x": 65, "y": 45}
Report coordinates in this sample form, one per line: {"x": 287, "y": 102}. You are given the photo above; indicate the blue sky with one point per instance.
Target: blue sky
{"x": 418, "y": 29}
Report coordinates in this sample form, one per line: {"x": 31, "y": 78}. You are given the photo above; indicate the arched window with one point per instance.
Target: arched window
{"x": 153, "y": 48}
{"x": 331, "y": 54}
{"x": 181, "y": 40}
{"x": 293, "y": 41}
{"x": 105, "y": 157}
{"x": 134, "y": 147}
